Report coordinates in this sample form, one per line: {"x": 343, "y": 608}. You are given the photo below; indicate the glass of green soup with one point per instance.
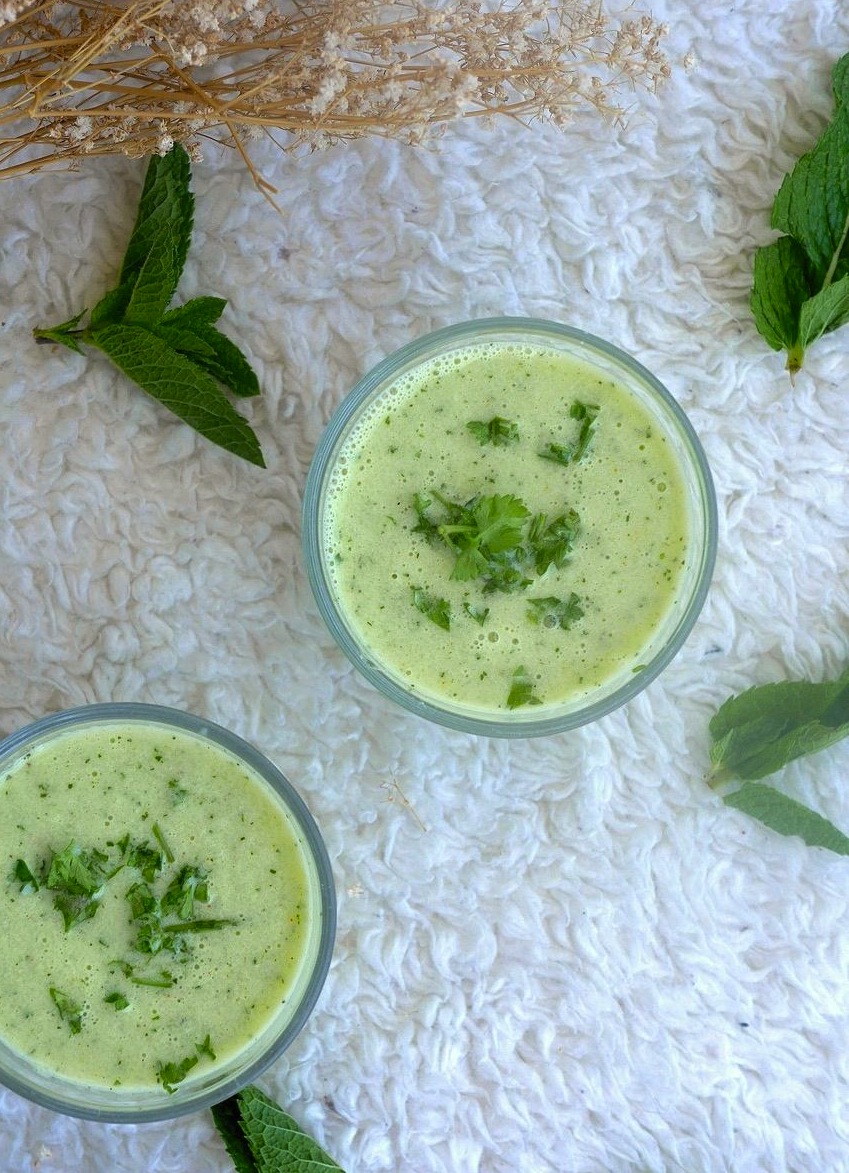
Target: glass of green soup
{"x": 509, "y": 527}
{"x": 168, "y": 912}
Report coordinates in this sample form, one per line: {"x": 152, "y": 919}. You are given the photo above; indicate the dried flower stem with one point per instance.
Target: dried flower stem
{"x": 134, "y": 76}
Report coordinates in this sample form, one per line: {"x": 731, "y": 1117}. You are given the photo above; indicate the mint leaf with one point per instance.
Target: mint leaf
{"x": 179, "y": 384}
{"x": 781, "y": 287}
{"x": 156, "y": 281}
{"x": 177, "y": 355}
{"x": 787, "y": 817}
{"x": 825, "y": 311}
{"x": 212, "y": 351}
{"x": 228, "y": 1120}
{"x": 798, "y": 292}
{"x": 764, "y": 728}
{"x": 166, "y": 207}
{"x": 65, "y": 333}
{"x": 200, "y": 311}
{"x": 276, "y": 1141}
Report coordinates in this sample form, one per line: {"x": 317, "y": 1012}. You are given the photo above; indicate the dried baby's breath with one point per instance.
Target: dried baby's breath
{"x": 134, "y": 77}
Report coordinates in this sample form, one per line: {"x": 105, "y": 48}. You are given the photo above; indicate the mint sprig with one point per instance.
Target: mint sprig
{"x": 762, "y": 729}
{"x": 261, "y": 1138}
{"x": 177, "y": 355}
{"x": 801, "y": 280}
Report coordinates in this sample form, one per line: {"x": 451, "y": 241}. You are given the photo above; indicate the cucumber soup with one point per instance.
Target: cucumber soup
{"x": 506, "y": 525}
{"x": 155, "y": 901}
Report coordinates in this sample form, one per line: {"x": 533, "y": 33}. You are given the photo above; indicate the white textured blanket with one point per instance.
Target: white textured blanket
{"x": 554, "y": 956}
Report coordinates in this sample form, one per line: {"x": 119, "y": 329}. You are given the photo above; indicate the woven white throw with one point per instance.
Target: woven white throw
{"x": 562, "y": 955}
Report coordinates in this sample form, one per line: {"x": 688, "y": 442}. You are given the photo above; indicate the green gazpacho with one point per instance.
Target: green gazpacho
{"x": 506, "y": 525}
{"x": 155, "y": 903}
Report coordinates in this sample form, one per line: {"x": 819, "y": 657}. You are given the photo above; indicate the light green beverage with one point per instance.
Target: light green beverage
{"x": 527, "y": 443}
{"x": 157, "y": 903}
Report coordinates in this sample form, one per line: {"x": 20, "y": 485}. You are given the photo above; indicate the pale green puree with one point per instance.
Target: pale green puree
{"x": 113, "y": 788}
{"x": 626, "y": 563}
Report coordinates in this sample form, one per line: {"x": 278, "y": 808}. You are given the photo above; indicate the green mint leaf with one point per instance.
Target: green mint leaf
{"x": 65, "y": 333}
{"x": 228, "y": 1120}
{"x": 762, "y": 729}
{"x": 212, "y": 351}
{"x": 69, "y": 1010}
{"x": 117, "y": 1000}
{"x": 179, "y": 384}
{"x": 798, "y": 292}
{"x": 781, "y": 287}
{"x": 170, "y": 1074}
{"x": 787, "y": 816}
{"x": 498, "y": 431}
{"x": 521, "y": 691}
{"x": 200, "y": 311}
{"x": 437, "y": 610}
{"x": 554, "y": 612}
{"x": 812, "y": 204}
{"x": 278, "y": 1144}
{"x": 825, "y": 311}
{"x": 166, "y": 208}
{"x": 156, "y": 281}
{"x": 111, "y": 307}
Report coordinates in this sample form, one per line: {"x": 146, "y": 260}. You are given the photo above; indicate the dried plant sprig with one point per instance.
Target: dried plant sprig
{"x": 135, "y": 76}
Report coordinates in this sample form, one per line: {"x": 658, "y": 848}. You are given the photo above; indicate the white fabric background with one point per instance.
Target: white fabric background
{"x": 556, "y": 956}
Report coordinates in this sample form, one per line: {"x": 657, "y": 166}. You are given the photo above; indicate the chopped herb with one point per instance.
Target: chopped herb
{"x": 479, "y": 614}
{"x": 521, "y": 691}
{"x": 554, "y": 612}
{"x": 552, "y": 542}
{"x": 587, "y": 414}
{"x": 160, "y": 839}
{"x": 77, "y": 878}
{"x": 205, "y": 1048}
{"x": 498, "y": 431}
{"x": 20, "y": 874}
{"x": 190, "y": 884}
{"x": 437, "y": 610}
{"x": 69, "y": 1010}
{"x": 170, "y": 1074}
{"x": 117, "y": 999}
{"x": 496, "y": 539}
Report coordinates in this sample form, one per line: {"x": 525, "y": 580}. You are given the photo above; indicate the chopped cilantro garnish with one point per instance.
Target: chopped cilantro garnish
{"x": 170, "y": 1074}
{"x": 498, "y": 431}
{"x": 20, "y": 874}
{"x": 521, "y": 691}
{"x": 479, "y": 614}
{"x": 117, "y": 999}
{"x": 587, "y": 414}
{"x": 437, "y": 610}
{"x": 554, "y": 612}
{"x": 496, "y": 539}
{"x": 69, "y": 1010}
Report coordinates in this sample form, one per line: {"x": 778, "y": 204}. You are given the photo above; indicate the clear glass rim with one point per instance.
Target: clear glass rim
{"x": 372, "y": 384}
{"x": 185, "y": 1100}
